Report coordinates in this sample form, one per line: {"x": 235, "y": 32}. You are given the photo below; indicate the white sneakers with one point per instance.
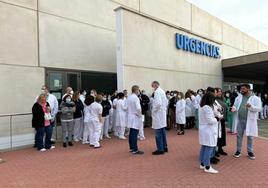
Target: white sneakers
{"x": 211, "y": 170}
{"x": 141, "y": 138}
{"x": 52, "y": 147}
{"x": 44, "y": 149}
{"x": 202, "y": 167}
{"x": 122, "y": 137}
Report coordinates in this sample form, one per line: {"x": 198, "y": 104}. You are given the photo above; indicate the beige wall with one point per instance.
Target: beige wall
{"x": 20, "y": 87}
{"x": 147, "y": 49}
{"x": 31, "y": 4}
{"x": 71, "y": 45}
{"x": 97, "y": 12}
{"x": 206, "y": 25}
{"x": 21, "y": 76}
{"x": 177, "y": 12}
{"x": 18, "y": 35}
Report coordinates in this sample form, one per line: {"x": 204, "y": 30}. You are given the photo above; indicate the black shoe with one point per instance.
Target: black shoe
{"x": 217, "y": 154}
{"x": 237, "y": 154}
{"x": 52, "y": 142}
{"x": 216, "y": 159}
{"x": 181, "y": 133}
{"x": 166, "y": 150}
{"x": 64, "y": 145}
{"x": 222, "y": 152}
{"x": 70, "y": 144}
{"x": 251, "y": 156}
{"x": 213, "y": 161}
{"x": 158, "y": 152}
{"x": 138, "y": 152}
{"x": 91, "y": 146}
{"x": 35, "y": 146}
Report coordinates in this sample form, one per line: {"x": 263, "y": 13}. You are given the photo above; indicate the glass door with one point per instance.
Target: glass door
{"x": 58, "y": 81}
{"x": 73, "y": 80}
{"x": 55, "y": 82}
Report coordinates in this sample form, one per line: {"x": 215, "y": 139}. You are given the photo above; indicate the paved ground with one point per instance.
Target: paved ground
{"x": 263, "y": 128}
{"x": 112, "y": 166}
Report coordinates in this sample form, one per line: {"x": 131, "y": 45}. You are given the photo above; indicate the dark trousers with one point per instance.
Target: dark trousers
{"x": 52, "y": 125}
{"x": 133, "y": 139}
{"x": 40, "y": 133}
{"x": 180, "y": 127}
{"x": 222, "y": 141}
{"x": 161, "y": 140}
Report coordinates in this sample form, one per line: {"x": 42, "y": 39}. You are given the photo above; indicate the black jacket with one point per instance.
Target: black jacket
{"x": 79, "y": 107}
{"x": 144, "y": 100}
{"x": 38, "y": 115}
{"x": 172, "y": 103}
{"x": 106, "y": 108}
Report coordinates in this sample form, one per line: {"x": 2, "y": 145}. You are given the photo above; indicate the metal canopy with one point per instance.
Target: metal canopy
{"x": 252, "y": 67}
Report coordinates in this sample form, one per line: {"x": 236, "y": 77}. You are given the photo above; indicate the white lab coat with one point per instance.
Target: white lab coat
{"x": 188, "y": 107}
{"x": 256, "y": 107}
{"x": 208, "y": 127}
{"x": 180, "y": 112}
{"x": 195, "y": 104}
{"x": 217, "y": 113}
{"x": 198, "y": 99}
{"x": 114, "y": 113}
{"x": 121, "y": 113}
{"x": 134, "y": 112}
{"x": 159, "y": 109}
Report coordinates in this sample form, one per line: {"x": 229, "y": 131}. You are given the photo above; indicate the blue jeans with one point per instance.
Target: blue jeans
{"x": 206, "y": 153}
{"x": 133, "y": 139}
{"x": 161, "y": 140}
{"x": 48, "y": 132}
{"x": 241, "y": 127}
{"x": 40, "y": 133}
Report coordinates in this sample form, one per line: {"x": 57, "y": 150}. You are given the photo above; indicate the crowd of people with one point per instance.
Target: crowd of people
{"x": 92, "y": 117}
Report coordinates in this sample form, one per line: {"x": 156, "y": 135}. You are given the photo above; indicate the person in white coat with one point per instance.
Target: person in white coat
{"x": 159, "y": 118}
{"x": 208, "y": 132}
{"x": 180, "y": 113}
{"x": 95, "y": 122}
{"x": 114, "y": 126}
{"x": 121, "y": 116}
{"x": 246, "y": 108}
{"x": 134, "y": 119}
{"x": 87, "y": 132}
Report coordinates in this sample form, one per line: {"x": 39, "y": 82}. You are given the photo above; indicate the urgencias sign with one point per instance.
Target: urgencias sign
{"x": 193, "y": 45}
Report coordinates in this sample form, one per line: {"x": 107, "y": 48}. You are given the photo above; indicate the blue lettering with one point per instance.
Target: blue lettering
{"x": 198, "y": 50}
{"x": 207, "y": 49}
{"x": 203, "y": 48}
{"x": 217, "y": 52}
{"x": 179, "y": 41}
{"x": 196, "y": 46}
{"x": 186, "y": 46}
{"x": 192, "y": 45}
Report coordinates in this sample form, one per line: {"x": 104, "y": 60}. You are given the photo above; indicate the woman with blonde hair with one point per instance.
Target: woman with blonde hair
{"x": 41, "y": 123}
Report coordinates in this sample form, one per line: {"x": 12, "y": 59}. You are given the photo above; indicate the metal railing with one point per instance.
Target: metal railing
{"x": 16, "y": 130}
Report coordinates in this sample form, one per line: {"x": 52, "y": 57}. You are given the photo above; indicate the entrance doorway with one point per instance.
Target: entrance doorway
{"x": 58, "y": 80}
